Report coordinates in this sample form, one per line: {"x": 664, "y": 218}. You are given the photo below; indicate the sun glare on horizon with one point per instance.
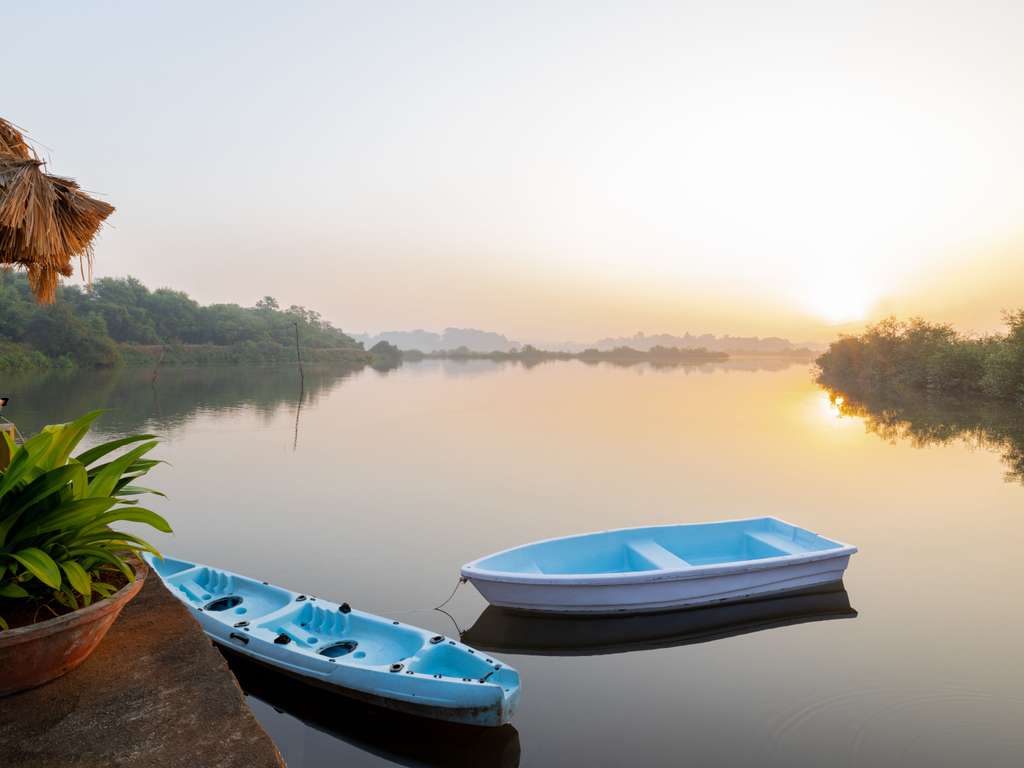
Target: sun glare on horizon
{"x": 836, "y": 298}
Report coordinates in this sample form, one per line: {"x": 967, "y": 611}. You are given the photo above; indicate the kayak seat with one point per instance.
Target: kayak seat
{"x": 449, "y": 661}
{"x": 651, "y": 553}
{"x": 228, "y": 595}
{"x": 329, "y": 632}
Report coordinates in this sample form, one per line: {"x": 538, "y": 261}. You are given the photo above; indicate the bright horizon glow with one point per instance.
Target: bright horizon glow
{"x": 550, "y": 172}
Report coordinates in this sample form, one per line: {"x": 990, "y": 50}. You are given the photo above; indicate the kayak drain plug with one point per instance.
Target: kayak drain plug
{"x": 345, "y": 608}
{"x": 397, "y": 667}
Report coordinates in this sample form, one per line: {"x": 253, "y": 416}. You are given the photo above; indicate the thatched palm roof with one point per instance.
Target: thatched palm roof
{"x": 45, "y": 221}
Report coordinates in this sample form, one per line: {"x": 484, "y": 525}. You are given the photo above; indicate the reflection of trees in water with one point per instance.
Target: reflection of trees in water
{"x": 471, "y": 367}
{"x": 135, "y": 402}
{"x": 925, "y": 421}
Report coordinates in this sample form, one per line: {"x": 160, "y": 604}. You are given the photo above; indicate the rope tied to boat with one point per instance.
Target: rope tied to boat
{"x": 439, "y": 608}
{"x": 462, "y": 580}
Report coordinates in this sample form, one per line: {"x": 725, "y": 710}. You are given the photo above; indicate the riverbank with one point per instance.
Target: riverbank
{"x": 19, "y": 357}
{"x": 155, "y": 692}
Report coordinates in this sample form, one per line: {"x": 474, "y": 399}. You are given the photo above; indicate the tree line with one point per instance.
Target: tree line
{"x": 121, "y": 320}
{"x": 932, "y": 357}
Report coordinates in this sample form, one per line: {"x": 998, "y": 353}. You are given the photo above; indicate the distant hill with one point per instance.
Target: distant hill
{"x": 767, "y": 345}
{"x": 475, "y": 340}
{"x": 451, "y": 338}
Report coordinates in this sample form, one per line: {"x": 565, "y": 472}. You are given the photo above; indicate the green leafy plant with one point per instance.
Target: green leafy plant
{"x": 56, "y": 512}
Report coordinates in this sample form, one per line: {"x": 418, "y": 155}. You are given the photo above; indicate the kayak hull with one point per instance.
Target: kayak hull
{"x": 380, "y": 661}
{"x": 659, "y": 568}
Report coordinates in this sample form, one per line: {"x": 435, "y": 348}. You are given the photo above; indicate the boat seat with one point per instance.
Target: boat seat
{"x": 656, "y": 555}
{"x": 787, "y": 545}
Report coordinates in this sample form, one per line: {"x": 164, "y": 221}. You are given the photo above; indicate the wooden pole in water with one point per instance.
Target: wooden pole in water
{"x": 302, "y": 388}
{"x": 298, "y": 353}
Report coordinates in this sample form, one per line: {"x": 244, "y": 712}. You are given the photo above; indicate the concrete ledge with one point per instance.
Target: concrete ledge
{"x": 155, "y": 692}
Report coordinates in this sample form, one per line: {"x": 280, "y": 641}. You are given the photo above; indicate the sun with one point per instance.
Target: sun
{"x": 839, "y": 299}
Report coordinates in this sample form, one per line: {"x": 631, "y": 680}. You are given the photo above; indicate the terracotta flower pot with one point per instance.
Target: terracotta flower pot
{"x": 36, "y": 654}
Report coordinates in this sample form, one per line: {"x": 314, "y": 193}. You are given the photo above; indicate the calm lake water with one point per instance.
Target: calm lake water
{"x": 383, "y": 484}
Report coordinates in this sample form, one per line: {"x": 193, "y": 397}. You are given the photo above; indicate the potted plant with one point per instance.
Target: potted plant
{"x": 65, "y": 573}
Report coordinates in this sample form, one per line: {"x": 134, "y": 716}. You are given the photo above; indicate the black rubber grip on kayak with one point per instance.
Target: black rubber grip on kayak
{"x": 240, "y": 638}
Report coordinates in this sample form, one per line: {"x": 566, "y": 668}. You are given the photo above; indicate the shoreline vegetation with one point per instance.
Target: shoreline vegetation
{"x": 896, "y": 358}
{"x": 927, "y": 384}
{"x": 121, "y": 322}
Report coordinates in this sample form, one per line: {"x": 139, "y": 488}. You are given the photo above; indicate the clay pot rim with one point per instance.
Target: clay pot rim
{"x": 82, "y": 615}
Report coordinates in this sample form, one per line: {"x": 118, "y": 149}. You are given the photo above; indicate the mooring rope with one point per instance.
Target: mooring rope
{"x": 426, "y": 609}
{"x": 459, "y": 583}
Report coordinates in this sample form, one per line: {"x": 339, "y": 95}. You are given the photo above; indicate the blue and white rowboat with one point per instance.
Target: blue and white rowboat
{"x": 381, "y": 661}
{"x": 658, "y": 568}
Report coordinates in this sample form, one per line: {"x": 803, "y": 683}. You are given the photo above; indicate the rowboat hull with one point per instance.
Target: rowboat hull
{"x": 659, "y": 568}
{"x": 379, "y": 661}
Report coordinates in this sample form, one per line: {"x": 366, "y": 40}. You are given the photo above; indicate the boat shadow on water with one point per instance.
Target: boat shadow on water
{"x": 401, "y": 738}
{"x": 510, "y": 631}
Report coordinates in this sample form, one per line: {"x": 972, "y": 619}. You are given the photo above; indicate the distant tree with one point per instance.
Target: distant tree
{"x": 385, "y": 349}
{"x": 57, "y": 332}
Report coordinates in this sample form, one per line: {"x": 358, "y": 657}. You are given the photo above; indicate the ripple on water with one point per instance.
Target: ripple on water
{"x": 941, "y": 726}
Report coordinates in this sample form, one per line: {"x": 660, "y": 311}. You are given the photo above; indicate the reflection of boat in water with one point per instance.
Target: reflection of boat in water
{"x": 509, "y": 631}
{"x": 401, "y": 738}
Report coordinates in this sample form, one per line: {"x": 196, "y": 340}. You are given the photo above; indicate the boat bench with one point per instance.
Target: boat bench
{"x": 656, "y": 555}
{"x": 784, "y": 543}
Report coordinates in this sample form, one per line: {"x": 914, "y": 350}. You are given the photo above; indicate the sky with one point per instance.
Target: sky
{"x": 549, "y": 170}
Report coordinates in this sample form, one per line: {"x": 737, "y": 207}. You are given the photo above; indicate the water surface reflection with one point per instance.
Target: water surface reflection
{"x": 399, "y": 479}
{"x": 348, "y": 725}
{"x": 925, "y": 421}
{"x": 501, "y": 630}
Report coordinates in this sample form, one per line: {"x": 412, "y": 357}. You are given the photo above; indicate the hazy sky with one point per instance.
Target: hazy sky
{"x": 549, "y": 170}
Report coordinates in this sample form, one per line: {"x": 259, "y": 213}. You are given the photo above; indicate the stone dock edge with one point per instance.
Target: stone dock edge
{"x": 155, "y": 692}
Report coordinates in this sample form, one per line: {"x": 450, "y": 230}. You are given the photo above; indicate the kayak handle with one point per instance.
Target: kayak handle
{"x": 240, "y": 638}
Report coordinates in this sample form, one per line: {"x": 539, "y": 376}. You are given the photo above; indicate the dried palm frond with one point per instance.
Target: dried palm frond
{"x": 12, "y": 142}
{"x": 45, "y": 220}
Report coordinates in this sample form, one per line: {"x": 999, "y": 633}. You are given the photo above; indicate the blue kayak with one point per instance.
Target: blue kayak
{"x": 377, "y": 660}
